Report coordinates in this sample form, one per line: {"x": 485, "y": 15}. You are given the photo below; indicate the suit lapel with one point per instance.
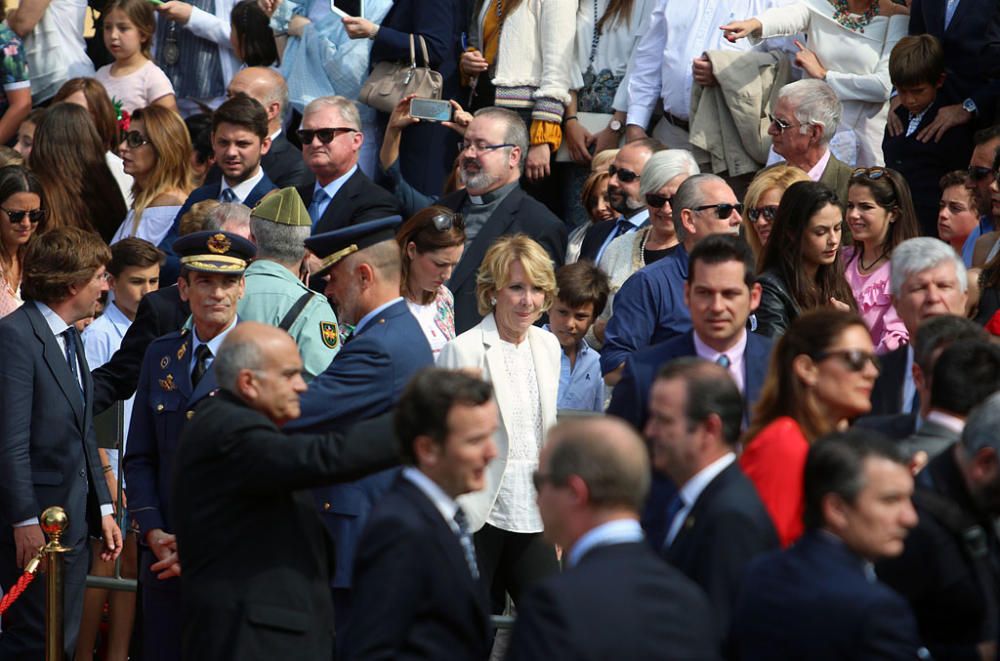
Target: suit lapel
{"x": 55, "y": 358}
{"x": 694, "y": 516}
{"x": 495, "y": 365}
{"x": 331, "y": 219}
{"x": 756, "y": 356}
{"x": 497, "y": 225}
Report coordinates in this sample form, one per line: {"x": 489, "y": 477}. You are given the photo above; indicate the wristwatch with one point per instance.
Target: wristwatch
{"x": 616, "y": 126}
{"x": 969, "y": 106}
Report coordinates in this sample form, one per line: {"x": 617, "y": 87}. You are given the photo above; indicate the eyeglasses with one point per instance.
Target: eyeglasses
{"x": 326, "y": 136}
{"x": 624, "y": 176}
{"x": 780, "y": 123}
{"x": 540, "y": 479}
{"x": 481, "y": 148}
{"x": 978, "y": 173}
{"x": 34, "y": 215}
{"x": 722, "y": 211}
{"x": 134, "y": 139}
{"x": 443, "y": 223}
{"x": 854, "y": 359}
{"x": 872, "y": 174}
{"x": 657, "y": 201}
{"x": 769, "y": 212}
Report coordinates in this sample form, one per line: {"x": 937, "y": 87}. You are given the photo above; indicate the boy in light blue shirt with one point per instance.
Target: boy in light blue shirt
{"x": 582, "y": 293}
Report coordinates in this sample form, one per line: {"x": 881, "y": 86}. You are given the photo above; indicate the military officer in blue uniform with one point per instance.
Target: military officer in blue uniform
{"x": 176, "y": 374}
{"x": 367, "y": 377}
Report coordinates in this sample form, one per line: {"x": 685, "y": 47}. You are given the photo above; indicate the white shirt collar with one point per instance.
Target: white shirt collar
{"x": 692, "y": 489}
{"x": 946, "y": 420}
{"x": 117, "y": 318}
{"x": 444, "y": 503}
{"x": 817, "y": 170}
{"x": 620, "y": 531}
{"x": 56, "y": 323}
{"x": 243, "y": 189}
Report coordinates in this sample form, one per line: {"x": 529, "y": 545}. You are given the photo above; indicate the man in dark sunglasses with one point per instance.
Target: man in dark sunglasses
{"x": 981, "y": 179}
{"x": 624, "y": 197}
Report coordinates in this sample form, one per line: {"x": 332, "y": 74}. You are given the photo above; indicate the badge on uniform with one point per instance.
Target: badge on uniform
{"x": 168, "y": 384}
{"x": 164, "y": 362}
{"x": 182, "y": 351}
{"x": 331, "y": 336}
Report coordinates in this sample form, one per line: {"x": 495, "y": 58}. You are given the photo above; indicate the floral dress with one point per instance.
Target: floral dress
{"x": 15, "y": 65}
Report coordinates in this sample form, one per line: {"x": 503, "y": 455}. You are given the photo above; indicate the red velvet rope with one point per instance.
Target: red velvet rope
{"x": 15, "y": 592}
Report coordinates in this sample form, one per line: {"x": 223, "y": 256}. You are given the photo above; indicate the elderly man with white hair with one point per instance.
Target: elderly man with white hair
{"x": 928, "y": 279}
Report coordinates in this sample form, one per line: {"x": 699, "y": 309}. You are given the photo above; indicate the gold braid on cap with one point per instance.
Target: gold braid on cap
{"x": 217, "y": 263}
{"x": 337, "y": 256}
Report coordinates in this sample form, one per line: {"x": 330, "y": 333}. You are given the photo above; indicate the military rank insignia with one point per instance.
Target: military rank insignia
{"x": 182, "y": 351}
{"x": 164, "y": 362}
{"x": 331, "y": 336}
{"x": 168, "y": 384}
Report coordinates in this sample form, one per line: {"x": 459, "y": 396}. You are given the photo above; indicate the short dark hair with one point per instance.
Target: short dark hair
{"x": 242, "y": 110}
{"x": 199, "y": 127}
{"x": 131, "y": 252}
{"x": 719, "y": 248}
{"x": 938, "y": 333}
{"x": 582, "y": 282}
{"x": 835, "y": 464}
{"x": 428, "y": 399}
{"x": 710, "y": 390}
{"x": 60, "y": 258}
{"x": 916, "y": 60}
{"x": 982, "y": 136}
{"x": 965, "y": 374}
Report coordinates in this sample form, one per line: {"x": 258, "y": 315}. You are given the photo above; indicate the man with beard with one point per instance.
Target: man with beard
{"x": 493, "y": 203}
{"x": 623, "y": 195}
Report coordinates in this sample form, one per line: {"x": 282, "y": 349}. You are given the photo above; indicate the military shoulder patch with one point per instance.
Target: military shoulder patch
{"x": 330, "y": 334}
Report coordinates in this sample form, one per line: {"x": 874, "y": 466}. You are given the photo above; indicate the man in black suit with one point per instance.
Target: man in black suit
{"x": 254, "y": 553}
{"x": 283, "y": 161}
{"x": 342, "y": 195}
{"x": 820, "y": 599}
{"x": 417, "y": 591}
{"x": 721, "y": 294}
{"x": 716, "y": 523}
{"x": 616, "y": 598}
{"x": 493, "y": 203}
{"x": 46, "y": 432}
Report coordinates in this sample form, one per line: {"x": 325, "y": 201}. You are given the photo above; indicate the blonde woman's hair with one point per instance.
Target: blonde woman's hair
{"x": 780, "y": 177}
{"x": 169, "y": 138}
{"x": 494, "y": 271}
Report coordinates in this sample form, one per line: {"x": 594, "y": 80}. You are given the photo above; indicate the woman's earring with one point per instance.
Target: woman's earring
{"x": 493, "y": 301}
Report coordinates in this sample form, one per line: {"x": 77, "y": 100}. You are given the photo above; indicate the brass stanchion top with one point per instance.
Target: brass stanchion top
{"x": 54, "y": 523}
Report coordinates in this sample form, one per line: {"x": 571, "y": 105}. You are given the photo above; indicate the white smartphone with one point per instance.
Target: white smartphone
{"x": 434, "y": 110}
{"x": 338, "y": 11}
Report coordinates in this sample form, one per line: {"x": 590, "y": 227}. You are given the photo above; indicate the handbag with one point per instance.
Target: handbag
{"x": 391, "y": 81}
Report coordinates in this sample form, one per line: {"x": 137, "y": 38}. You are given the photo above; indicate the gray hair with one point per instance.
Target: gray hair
{"x": 689, "y": 196}
{"x": 515, "y": 133}
{"x": 981, "y": 426}
{"x": 920, "y": 254}
{"x": 277, "y": 242}
{"x": 348, "y": 109}
{"x": 228, "y": 217}
{"x": 236, "y": 354}
{"x": 814, "y": 102}
{"x": 664, "y": 166}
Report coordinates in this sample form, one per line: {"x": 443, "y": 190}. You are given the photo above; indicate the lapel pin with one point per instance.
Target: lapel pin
{"x": 164, "y": 362}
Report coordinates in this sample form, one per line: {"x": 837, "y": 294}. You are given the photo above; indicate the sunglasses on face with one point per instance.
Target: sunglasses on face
{"x": 34, "y": 216}
{"x": 722, "y": 211}
{"x": 657, "y": 201}
{"x": 443, "y": 223}
{"x": 624, "y": 176}
{"x": 780, "y": 123}
{"x": 871, "y": 174}
{"x": 768, "y": 213}
{"x": 134, "y": 139}
{"x": 326, "y": 136}
{"x": 978, "y": 172}
{"x": 854, "y": 359}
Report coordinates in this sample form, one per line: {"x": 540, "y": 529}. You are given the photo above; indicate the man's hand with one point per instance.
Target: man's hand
{"x": 164, "y": 547}
{"x": 460, "y": 119}
{"x": 27, "y": 541}
{"x": 606, "y": 139}
{"x": 473, "y": 63}
{"x": 359, "y": 28}
{"x": 701, "y": 69}
{"x": 400, "y": 117}
{"x": 578, "y": 140}
{"x": 806, "y": 60}
{"x": 894, "y": 123}
{"x": 947, "y": 117}
{"x": 175, "y": 10}
{"x": 537, "y": 165}
{"x": 112, "y": 536}
{"x": 634, "y": 132}
{"x": 268, "y": 6}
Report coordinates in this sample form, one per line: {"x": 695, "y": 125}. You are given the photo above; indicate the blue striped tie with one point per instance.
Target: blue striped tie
{"x": 465, "y": 538}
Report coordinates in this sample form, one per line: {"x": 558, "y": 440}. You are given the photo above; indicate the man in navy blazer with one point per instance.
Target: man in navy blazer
{"x": 417, "y": 587}
{"x": 367, "y": 377}
{"x": 721, "y": 294}
{"x": 715, "y": 523}
{"x": 820, "y": 599}
{"x": 615, "y": 599}
{"x": 47, "y": 434}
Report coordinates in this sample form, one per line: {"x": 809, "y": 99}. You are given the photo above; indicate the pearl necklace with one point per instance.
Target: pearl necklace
{"x": 842, "y": 14}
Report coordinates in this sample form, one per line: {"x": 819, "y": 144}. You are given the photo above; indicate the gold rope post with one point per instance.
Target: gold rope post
{"x": 54, "y": 523}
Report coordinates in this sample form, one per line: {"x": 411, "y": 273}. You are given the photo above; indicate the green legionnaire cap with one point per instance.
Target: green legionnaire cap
{"x": 283, "y": 207}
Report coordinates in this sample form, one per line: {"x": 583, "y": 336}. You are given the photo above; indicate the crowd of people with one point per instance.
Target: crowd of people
{"x": 673, "y": 336}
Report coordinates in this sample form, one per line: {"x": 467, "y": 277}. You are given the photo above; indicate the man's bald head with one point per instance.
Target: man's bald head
{"x": 266, "y": 86}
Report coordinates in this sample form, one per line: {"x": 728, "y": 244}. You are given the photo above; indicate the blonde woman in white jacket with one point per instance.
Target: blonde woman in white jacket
{"x": 515, "y": 285}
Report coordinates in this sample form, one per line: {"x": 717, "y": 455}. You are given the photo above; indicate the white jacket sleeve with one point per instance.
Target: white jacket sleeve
{"x": 209, "y": 27}
{"x": 643, "y": 80}
{"x": 874, "y": 87}
{"x": 557, "y": 37}
{"x": 783, "y": 21}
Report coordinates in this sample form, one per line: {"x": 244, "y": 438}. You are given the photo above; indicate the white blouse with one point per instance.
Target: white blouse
{"x": 153, "y": 226}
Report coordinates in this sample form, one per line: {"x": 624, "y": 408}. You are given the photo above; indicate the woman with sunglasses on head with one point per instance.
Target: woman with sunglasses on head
{"x": 761, "y": 203}
{"x": 820, "y": 378}
{"x": 799, "y": 269}
{"x": 880, "y": 216}
{"x": 431, "y": 242}
{"x": 156, "y": 151}
{"x": 23, "y": 217}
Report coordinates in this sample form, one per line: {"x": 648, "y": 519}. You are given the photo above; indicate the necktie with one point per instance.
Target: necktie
{"x": 201, "y": 357}
{"x": 465, "y": 539}
{"x": 316, "y": 206}
{"x": 228, "y": 196}
{"x": 72, "y": 349}
{"x": 673, "y": 509}
{"x": 724, "y": 361}
{"x": 622, "y": 227}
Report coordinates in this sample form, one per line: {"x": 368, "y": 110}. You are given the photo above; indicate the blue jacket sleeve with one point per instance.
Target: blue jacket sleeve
{"x": 631, "y": 325}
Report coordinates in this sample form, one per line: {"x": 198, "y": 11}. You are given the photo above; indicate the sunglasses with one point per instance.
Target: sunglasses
{"x": 872, "y": 174}
{"x": 134, "y": 139}
{"x": 657, "y": 201}
{"x": 624, "y": 176}
{"x": 722, "y": 211}
{"x": 326, "y": 136}
{"x": 34, "y": 216}
{"x": 780, "y": 123}
{"x": 769, "y": 212}
{"x": 854, "y": 359}
{"x": 978, "y": 172}
{"x": 443, "y": 223}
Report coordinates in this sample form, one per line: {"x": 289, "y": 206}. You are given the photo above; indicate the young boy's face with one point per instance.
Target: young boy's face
{"x": 132, "y": 284}
{"x": 917, "y": 97}
{"x": 570, "y": 324}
